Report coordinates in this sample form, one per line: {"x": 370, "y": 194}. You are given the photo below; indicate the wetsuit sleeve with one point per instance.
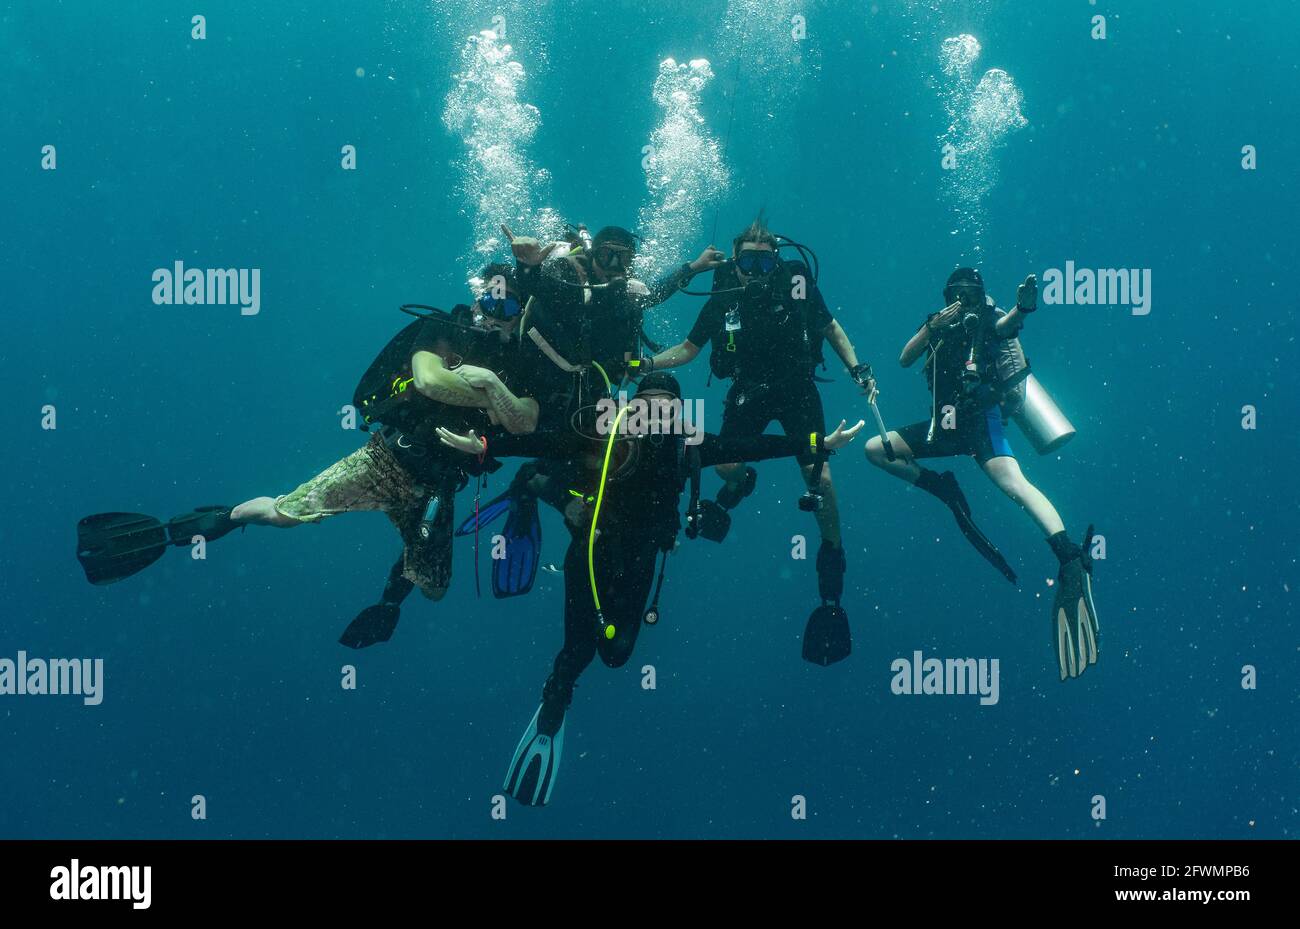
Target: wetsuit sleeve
{"x": 561, "y": 445}
{"x": 666, "y": 287}
{"x": 545, "y": 281}
{"x": 821, "y": 313}
{"x": 718, "y": 450}
{"x": 706, "y": 324}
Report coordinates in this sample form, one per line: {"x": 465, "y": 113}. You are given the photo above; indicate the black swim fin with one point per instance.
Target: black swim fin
{"x": 945, "y": 487}
{"x": 826, "y": 638}
{"x": 113, "y": 546}
{"x": 374, "y": 624}
{"x": 513, "y": 575}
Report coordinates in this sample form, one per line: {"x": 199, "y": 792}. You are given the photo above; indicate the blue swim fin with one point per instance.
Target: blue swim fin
{"x": 487, "y": 514}
{"x": 513, "y": 575}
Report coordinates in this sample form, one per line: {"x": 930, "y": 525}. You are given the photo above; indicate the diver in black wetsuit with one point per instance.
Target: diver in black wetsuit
{"x": 766, "y": 320}
{"x": 593, "y": 305}
{"x": 624, "y": 513}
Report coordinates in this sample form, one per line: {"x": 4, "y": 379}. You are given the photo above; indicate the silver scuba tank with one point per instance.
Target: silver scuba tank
{"x": 1041, "y": 420}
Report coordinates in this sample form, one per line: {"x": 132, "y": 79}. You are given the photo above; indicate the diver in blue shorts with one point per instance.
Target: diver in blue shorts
{"x": 978, "y": 377}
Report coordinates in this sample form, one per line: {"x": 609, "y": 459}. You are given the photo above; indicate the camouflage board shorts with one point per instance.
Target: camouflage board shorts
{"x": 371, "y": 479}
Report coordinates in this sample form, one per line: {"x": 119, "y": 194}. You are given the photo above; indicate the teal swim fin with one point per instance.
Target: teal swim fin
{"x": 1074, "y": 616}
{"x": 537, "y": 760}
{"x": 113, "y": 546}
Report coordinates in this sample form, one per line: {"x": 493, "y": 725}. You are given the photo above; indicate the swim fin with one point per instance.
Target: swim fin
{"x": 945, "y": 487}
{"x": 826, "y": 638}
{"x": 487, "y": 514}
{"x": 1074, "y": 616}
{"x": 374, "y": 624}
{"x": 113, "y": 546}
{"x": 513, "y": 575}
{"x": 537, "y": 760}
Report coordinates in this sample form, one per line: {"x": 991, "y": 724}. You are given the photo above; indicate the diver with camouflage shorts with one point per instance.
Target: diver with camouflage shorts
{"x": 454, "y": 370}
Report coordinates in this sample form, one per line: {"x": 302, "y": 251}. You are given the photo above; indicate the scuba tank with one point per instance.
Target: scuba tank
{"x": 1041, "y": 420}
{"x": 1019, "y": 392}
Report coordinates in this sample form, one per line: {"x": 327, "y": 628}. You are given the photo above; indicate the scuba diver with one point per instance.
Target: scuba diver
{"x": 979, "y": 378}
{"x": 766, "y": 320}
{"x": 442, "y": 369}
{"x": 624, "y": 492}
{"x": 594, "y": 304}
{"x": 591, "y": 308}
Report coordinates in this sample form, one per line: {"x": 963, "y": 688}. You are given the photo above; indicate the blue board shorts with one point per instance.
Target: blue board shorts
{"x": 981, "y": 435}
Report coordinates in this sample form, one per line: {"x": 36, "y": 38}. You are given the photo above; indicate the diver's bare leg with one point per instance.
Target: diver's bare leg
{"x": 828, "y": 514}
{"x": 903, "y": 466}
{"x": 261, "y": 511}
{"x": 1005, "y": 472}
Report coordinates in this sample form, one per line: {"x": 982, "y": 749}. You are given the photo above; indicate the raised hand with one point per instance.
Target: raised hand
{"x": 526, "y": 249}
{"x": 469, "y": 444}
{"x": 1027, "y": 294}
{"x": 709, "y": 258}
{"x": 841, "y": 436}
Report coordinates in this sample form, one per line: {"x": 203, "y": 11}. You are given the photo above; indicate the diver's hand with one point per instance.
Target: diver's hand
{"x": 526, "y": 249}
{"x": 1027, "y": 295}
{"x": 841, "y": 436}
{"x": 709, "y": 258}
{"x": 945, "y": 317}
{"x": 470, "y": 444}
{"x": 478, "y": 377}
{"x": 862, "y": 376}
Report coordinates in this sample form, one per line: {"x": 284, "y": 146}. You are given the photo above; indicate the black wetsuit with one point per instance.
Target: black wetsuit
{"x": 978, "y": 424}
{"x": 639, "y": 518}
{"x": 770, "y": 343}
{"x": 600, "y": 324}
{"x": 410, "y": 426}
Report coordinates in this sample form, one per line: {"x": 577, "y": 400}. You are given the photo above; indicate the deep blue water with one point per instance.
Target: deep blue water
{"x": 222, "y": 677}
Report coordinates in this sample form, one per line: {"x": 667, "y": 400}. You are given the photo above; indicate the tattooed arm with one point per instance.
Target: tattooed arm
{"x": 437, "y": 383}
{"x": 515, "y": 414}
